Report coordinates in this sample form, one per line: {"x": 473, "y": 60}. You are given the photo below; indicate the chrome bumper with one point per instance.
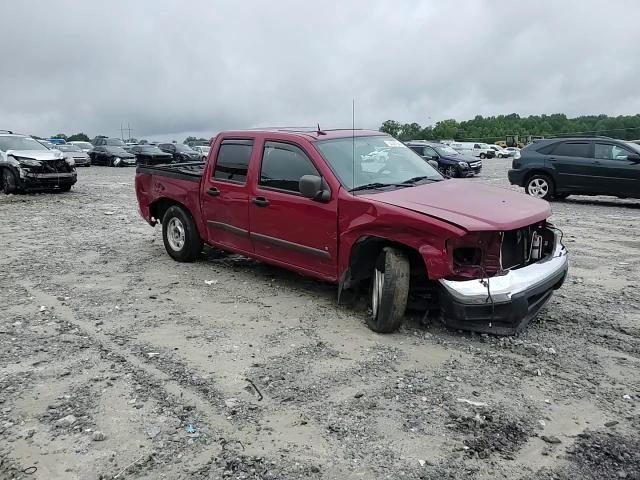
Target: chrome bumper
{"x": 502, "y": 288}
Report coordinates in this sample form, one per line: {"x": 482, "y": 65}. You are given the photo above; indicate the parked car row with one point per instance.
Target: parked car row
{"x": 448, "y": 161}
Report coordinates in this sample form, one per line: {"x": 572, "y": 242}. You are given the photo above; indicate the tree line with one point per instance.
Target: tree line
{"x": 82, "y": 137}
{"x": 492, "y": 129}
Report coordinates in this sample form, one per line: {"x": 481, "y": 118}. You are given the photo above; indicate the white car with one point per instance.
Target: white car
{"x": 26, "y": 164}
{"x": 515, "y": 151}
{"x": 203, "y": 150}
{"x": 473, "y": 149}
{"x": 84, "y": 146}
{"x": 500, "y": 152}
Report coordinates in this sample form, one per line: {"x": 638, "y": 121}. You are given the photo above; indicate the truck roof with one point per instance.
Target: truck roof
{"x": 309, "y": 134}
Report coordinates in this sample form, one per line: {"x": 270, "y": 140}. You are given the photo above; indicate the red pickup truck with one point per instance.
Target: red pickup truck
{"x": 362, "y": 210}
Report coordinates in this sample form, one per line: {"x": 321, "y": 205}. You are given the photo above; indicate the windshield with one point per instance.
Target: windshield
{"x": 83, "y": 144}
{"x": 117, "y": 150}
{"x": 68, "y": 148}
{"x": 148, "y": 148}
{"x": 183, "y": 148}
{"x": 378, "y": 159}
{"x": 633, "y": 146}
{"x": 114, "y": 142}
{"x": 20, "y": 143}
{"x": 446, "y": 150}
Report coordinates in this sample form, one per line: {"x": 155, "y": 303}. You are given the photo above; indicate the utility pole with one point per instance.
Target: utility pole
{"x": 129, "y": 129}
{"x": 121, "y": 133}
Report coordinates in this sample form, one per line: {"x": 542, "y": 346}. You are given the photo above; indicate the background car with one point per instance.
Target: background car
{"x": 515, "y": 151}
{"x": 70, "y": 150}
{"x": 57, "y": 141}
{"x": 101, "y": 140}
{"x": 500, "y": 151}
{"x": 450, "y": 162}
{"x": 84, "y": 146}
{"x": 150, "y": 155}
{"x": 181, "y": 152}
{"x": 26, "y": 164}
{"x": 473, "y": 149}
{"x": 111, "y": 156}
{"x": 586, "y": 166}
{"x": 202, "y": 150}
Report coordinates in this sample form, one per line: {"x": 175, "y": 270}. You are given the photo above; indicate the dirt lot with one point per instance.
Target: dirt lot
{"x": 117, "y": 362}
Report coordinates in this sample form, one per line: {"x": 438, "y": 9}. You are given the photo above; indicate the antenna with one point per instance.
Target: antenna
{"x": 353, "y": 142}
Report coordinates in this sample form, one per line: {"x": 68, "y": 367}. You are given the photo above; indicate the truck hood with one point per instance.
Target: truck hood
{"x": 36, "y": 154}
{"x": 471, "y": 206}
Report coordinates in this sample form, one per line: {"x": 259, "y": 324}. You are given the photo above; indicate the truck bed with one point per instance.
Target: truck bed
{"x": 191, "y": 171}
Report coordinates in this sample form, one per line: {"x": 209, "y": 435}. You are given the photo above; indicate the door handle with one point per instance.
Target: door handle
{"x": 213, "y": 191}
{"x": 552, "y": 159}
{"x": 261, "y": 201}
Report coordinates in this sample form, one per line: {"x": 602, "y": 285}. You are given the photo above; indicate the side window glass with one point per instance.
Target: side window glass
{"x": 233, "y": 159}
{"x": 430, "y": 152}
{"x": 619, "y": 153}
{"x": 283, "y": 165}
{"x": 476, "y": 146}
{"x": 572, "y": 149}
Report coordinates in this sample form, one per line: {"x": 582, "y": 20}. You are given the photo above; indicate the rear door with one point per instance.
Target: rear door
{"x": 225, "y": 195}
{"x": 616, "y": 175}
{"x": 285, "y": 226}
{"x": 574, "y": 164}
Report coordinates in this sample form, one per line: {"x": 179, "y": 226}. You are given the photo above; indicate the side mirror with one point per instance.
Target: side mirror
{"x": 435, "y": 157}
{"x": 634, "y": 157}
{"x": 433, "y": 163}
{"x": 312, "y": 186}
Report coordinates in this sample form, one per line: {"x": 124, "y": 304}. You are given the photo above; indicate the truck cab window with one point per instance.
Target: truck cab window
{"x": 233, "y": 159}
{"x": 283, "y": 165}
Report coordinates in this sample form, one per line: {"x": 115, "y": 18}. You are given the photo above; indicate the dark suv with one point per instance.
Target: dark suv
{"x": 450, "y": 162}
{"x": 559, "y": 167}
{"x": 180, "y": 152}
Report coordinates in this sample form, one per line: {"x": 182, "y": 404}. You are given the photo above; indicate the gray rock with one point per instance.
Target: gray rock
{"x": 66, "y": 421}
{"x": 551, "y": 439}
{"x": 98, "y": 436}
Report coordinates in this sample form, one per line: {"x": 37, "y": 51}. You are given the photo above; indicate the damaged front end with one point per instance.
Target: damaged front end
{"x": 49, "y": 174}
{"x": 501, "y": 279}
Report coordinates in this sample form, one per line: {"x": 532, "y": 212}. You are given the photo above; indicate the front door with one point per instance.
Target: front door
{"x": 285, "y": 226}
{"x": 225, "y": 203}
{"x": 614, "y": 173}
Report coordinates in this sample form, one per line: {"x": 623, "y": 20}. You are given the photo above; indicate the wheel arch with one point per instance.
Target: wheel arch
{"x": 364, "y": 253}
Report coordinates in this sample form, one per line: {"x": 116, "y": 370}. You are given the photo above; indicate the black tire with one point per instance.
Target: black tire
{"x": 451, "y": 171}
{"x": 65, "y": 188}
{"x": 183, "y": 243}
{"x": 534, "y": 186}
{"x": 9, "y": 184}
{"x": 389, "y": 300}
{"x": 483, "y": 156}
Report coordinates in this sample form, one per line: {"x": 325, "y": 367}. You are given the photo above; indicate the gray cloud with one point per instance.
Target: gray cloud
{"x": 171, "y": 68}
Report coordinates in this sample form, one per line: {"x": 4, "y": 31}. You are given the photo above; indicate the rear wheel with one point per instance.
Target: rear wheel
{"x": 180, "y": 235}
{"x": 539, "y": 186}
{"x": 483, "y": 156}
{"x": 389, "y": 290}
{"x": 9, "y": 184}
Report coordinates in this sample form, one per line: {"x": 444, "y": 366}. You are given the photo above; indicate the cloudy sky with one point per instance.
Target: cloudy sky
{"x": 172, "y": 68}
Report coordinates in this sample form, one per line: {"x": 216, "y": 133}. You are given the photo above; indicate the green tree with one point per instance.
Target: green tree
{"x": 60, "y": 135}
{"x": 391, "y": 127}
{"x": 78, "y": 137}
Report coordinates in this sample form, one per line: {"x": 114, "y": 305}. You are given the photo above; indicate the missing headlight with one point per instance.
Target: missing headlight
{"x": 467, "y": 256}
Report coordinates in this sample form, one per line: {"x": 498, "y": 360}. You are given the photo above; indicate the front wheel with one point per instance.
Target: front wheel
{"x": 180, "y": 235}
{"x": 9, "y": 184}
{"x": 451, "y": 171}
{"x": 540, "y": 186}
{"x": 389, "y": 290}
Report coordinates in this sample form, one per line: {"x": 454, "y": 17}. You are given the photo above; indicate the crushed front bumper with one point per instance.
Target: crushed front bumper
{"x": 46, "y": 181}
{"x": 505, "y": 304}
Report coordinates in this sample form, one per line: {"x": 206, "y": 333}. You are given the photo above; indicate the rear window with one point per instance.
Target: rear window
{"x": 233, "y": 159}
{"x": 572, "y": 149}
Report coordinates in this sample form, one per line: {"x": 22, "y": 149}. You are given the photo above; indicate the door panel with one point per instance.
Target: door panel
{"x": 285, "y": 226}
{"x": 613, "y": 173}
{"x": 573, "y": 163}
{"x": 225, "y": 203}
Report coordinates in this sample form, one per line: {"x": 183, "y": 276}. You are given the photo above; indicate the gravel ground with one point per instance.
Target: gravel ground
{"x": 117, "y": 362}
